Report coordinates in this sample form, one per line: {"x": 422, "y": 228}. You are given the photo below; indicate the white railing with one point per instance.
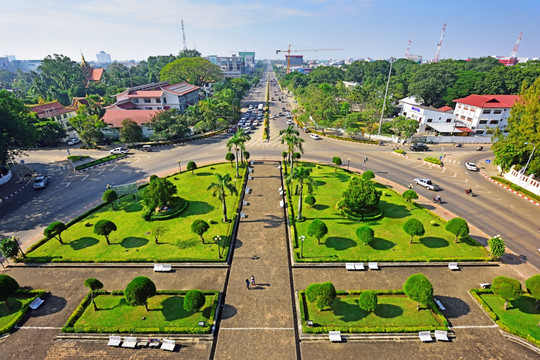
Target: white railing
{"x": 527, "y": 181}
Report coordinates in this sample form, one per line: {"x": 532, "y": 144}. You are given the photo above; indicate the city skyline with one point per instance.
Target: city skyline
{"x": 363, "y": 28}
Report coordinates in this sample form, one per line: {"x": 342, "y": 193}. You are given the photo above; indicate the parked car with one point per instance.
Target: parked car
{"x": 255, "y": 123}
{"x": 306, "y": 130}
{"x": 418, "y": 147}
{"x": 73, "y": 141}
{"x": 315, "y": 137}
{"x": 119, "y": 150}
{"x": 41, "y": 182}
{"x": 471, "y": 166}
{"x": 427, "y": 184}
{"x": 147, "y": 148}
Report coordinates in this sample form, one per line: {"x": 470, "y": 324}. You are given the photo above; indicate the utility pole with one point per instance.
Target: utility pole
{"x": 385, "y": 94}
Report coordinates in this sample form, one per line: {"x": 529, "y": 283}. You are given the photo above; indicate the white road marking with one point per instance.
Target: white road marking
{"x": 474, "y": 327}
{"x": 67, "y": 184}
{"x": 84, "y": 178}
{"x": 40, "y": 327}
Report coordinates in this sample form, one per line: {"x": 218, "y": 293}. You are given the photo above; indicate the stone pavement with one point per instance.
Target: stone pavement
{"x": 258, "y": 323}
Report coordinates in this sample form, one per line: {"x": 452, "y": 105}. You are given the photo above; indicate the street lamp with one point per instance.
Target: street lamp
{"x": 385, "y": 94}
{"x": 109, "y": 186}
{"x": 348, "y": 163}
{"x": 179, "y": 165}
{"x": 217, "y": 240}
{"x": 302, "y": 237}
{"x": 528, "y": 161}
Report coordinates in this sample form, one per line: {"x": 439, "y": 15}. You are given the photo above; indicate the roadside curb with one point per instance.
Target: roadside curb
{"x": 509, "y": 189}
{"x": 398, "y": 154}
{"x": 16, "y": 192}
{"x": 431, "y": 164}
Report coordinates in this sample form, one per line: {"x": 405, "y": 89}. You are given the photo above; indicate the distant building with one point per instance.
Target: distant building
{"x": 350, "y": 84}
{"x": 231, "y": 66}
{"x": 9, "y": 63}
{"x": 295, "y": 60}
{"x": 59, "y": 113}
{"x": 249, "y": 60}
{"x": 103, "y": 57}
{"x": 91, "y": 74}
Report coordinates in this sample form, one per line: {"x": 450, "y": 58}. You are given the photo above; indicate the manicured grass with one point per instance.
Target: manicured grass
{"x": 391, "y": 242}
{"x": 521, "y": 317}
{"x": 133, "y": 241}
{"x": 18, "y": 306}
{"x": 394, "y": 313}
{"x": 166, "y": 315}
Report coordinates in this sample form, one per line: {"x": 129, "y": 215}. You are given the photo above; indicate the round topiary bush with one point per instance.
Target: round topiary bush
{"x": 194, "y": 300}
{"x": 368, "y": 300}
{"x": 310, "y": 200}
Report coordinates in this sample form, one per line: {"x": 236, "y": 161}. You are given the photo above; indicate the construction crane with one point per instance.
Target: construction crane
{"x": 289, "y": 51}
{"x": 408, "y": 55}
{"x": 439, "y": 44}
{"x": 513, "y": 54}
{"x": 184, "y": 35}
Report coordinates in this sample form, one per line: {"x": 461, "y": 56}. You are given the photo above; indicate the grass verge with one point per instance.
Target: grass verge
{"x": 18, "y": 306}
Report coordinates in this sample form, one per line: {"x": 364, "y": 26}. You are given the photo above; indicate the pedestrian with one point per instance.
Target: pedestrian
{"x": 247, "y": 284}
{"x": 252, "y": 280}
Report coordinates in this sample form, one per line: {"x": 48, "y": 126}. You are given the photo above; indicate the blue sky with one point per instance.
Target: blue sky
{"x": 136, "y": 29}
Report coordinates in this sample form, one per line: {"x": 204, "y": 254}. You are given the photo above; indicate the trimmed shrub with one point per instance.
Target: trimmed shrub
{"x": 433, "y": 160}
{"x": 191, "y": 166}
{"x": 419, "y": 289}
{"x": 409, "y": 196}
{"x": 365, "y": 234}
{"x": 199, "y": 227}
{"x": 506, "y": 288}
{"x": 194, "y": 300}
{"x": 337, "y": 161}
{"x": 399, "y": 151}
{"x": 533, "y": 287}
{"x": 368, "y": 175}
{"x": 368, "y": 300}
{"x": 413, "y": 227}
{"x": 110, "y": 196}
{"x": 496, "y": 247}
{"x": 310, "y": 200}
{"x": 8, "y": 287}
{"x": 139, "y": 290}
{"x": 458, "y": 227}
{"x": 55, "y": 229}
{"x": 317, "y": 229}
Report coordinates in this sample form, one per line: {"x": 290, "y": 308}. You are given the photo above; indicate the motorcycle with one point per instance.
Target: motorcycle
{"x": 469, "y": 192}
{"x": 480, "y": 148}
{"x": 437, "y": 200}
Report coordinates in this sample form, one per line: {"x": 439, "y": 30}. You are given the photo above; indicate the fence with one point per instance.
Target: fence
{"x": 527, "y": 182}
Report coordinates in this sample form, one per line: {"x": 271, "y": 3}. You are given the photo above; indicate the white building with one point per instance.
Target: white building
{"x": 429, "y": 118}
{"x": 59, "y": 113}
{"x": 482, "y": 112}
{"x": 103, "y": 57}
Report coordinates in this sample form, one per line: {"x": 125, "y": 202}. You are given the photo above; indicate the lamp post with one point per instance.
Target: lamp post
{"x": 385, "y": 94}
{"x": 528, "y": 161}
{"x": 348, "y": 163}
{"x": 217, "y": 240}
{"x": 179, "y": 165}
{"x": 302, "y": 237}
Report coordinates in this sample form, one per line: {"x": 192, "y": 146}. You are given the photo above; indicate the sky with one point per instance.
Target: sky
{"x": 136, "y": 29}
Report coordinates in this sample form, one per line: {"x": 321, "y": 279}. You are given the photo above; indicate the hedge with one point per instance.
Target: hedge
{"x": 374, "y": 142}
{"x": 402, "y": 329}
{"x": 173, "y": 213}
{"x": 516, "y": 188}
{"x": 433, "y": 160}
{"x": 399, "y": 151}
{"x": 100, "y": 161}
{"x": 74, "y": 158}
{"x": 69, "y": 326}
{"x": 36, "y": 293}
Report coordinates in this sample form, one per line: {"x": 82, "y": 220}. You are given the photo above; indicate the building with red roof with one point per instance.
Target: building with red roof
{"x": 479, "y": 113}
{"x": 59, "y": 113}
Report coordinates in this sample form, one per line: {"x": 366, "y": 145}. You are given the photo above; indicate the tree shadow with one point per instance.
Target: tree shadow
{"x": 434, "y": 242}
{"x": 52, "y": 305}
{"x": 394, "y": 211}
{"x": 320, "y": 182}
{"x": 455, "y": 307}
{"x": 204, "y": 173}
{"x": 388, "y": 311}
{"x": 467, "y": 240}
{"x": 83, "y": 243}
{"x": 525, "y": 304}
{"x": 320, "y": 207}
{"x": 238, "y": 244}
{"x": 348, "y": 312}
{"x": 133, "y": 242}
{"x": 381, "y": 244}
{"x": 343, "y": 177}
{"x": 199, "y": 208}
{"x": 188, "y": 243}
{"x": 173, "y": 308}
{"x": 129, "y": 206}
{"x": 272, "y": 221}
{"x": 228, "y": 312}
{"x": 340, "y": 243}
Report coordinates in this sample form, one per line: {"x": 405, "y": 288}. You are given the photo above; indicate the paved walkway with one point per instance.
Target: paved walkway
{"x": 258, "y": 323}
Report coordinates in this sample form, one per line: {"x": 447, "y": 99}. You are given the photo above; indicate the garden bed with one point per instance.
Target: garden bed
{"x": 166, "y": 314}
{"x": 100, "y": 161}
{"x": 395, "y": 313}
{"x": 18, "y": 306}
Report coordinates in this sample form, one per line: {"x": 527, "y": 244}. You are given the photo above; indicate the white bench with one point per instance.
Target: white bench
{"x": 114, "y": 340}
{"x": 245, "y": 203}
{"x": 373, "y": 266}
{"x": 281, "y": 203}
{"x": 129, "y": 342}
{"x": 349, "y": 266}
{"x": 242, "y": 215}
{"x": 441, "y": 335}
{"x": 439, "y": 304}
{"x": 162, "y": 267}
{"x": 249, "y": 177}
{"x": 425, "y": 336}
{"x": 168, "y": 344}
{"x": 247, "y": 190}
{"x": 250, "y": 170}
{"x": 334, "y": 336}
{"x": 359, "y": 266}
{"x": 453, "y": 266}
{"x": 485, "y": 285}
{"x": 36, "y": 303}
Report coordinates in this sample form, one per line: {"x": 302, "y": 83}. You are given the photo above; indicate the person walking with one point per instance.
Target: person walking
{"x": 247, "y": 284}
{"x": 252, "y": 280}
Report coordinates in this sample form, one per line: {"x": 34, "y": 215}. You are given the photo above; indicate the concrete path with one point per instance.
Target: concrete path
{"x": 258, "y": 323}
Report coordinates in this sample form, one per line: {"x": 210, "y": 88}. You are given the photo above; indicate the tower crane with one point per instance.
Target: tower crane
{"x": 439, "y": 44}
{"x": 289, "y": 51}
{"x": 513, "y": 54}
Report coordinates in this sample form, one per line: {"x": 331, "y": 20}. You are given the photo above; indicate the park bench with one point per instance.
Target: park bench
{"x": 359, "y": 266}
{"x": 114, "y": 340}
{"x": 168, "y": 344}
{"x": 162, "y": 267}
{"x": 441, "y": 335}
{"x": 453, "y": 266}
{"x": 247, "y": 190}
{"x": 425, "y": 336}
{"x": 485, "y": 285}
{"x": 439, "y": 304}
{"x": 373, "y": 266}
{"x": 36, "y": 303}
{"x": 129, "y": 342}
{"x": 281, "y": 203}
{"x": 349, "y": 266}
{"x": 335, "y": 336}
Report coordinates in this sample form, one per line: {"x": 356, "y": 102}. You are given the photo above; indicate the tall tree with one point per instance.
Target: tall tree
{"x": 220, "y": 188}
{"x": 533, "y": 287}
{"x": 196, "y": 71}
{"x": 139, "y": 290}
{"x": 189, "y": 53}
{"x": 88, "y": 125}
{"x": 159, "y": 192}
{"x": 361, "y": 196}
{"x": 55, "y": 229}
{"x": 303, "y": 176}
{"x": 237, "y": 142}
{"x": 131, "y": 132}
{"x": 419, "y": 289}
{"x": 293, "y": 143}
{"x": 94, "y": 285}
{"x": 171, "y": 124}
{"x": 104, "y": 227}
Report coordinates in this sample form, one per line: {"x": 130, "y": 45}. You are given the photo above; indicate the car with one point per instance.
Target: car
{"x": 418, "y": 147}
{"x": 471, "y": 166}
{"x": 147, "y": 148}
{"x": 119, "y": 150}
{"x": 280, "y": 114}
{"x": 306, "y": 130}
{"x": 315, "y": 137}
{"x": 73, "y": 141}
{"x": 427, "y": 184}
{"x": 41, "y": 182}
{"x": 255, "y": 123}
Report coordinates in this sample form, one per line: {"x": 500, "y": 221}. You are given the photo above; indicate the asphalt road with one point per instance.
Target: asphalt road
{"x": 493, "y": 210}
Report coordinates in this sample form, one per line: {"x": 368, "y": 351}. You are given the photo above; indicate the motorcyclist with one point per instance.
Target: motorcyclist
{"x": 468, "y": 191}
{"x": 437, "y": 199}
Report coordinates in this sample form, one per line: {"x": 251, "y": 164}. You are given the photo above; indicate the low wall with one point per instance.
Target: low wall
{"x": 527, "y": 181}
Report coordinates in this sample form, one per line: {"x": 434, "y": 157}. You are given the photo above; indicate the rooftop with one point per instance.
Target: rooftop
{"x": 114, "y": 117}
{"x": 489, "y": 101}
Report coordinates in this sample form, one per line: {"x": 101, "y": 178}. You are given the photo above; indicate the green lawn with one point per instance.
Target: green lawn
{"x": 16, "y": 304}
{"x": 166, "y": 315}
{"x": 133, "y": 241}
{"x": 391, "y": 242}
{"x": 394, "y": 313}
{"x": 521, "y": 318}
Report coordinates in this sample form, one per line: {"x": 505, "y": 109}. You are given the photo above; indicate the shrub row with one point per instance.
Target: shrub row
{"x": 399, "y": 151}
{"x": 351, "y": 215}
{"x": 433, "y": 160}
{"x": 344, "y": 139}
{"x": 514, "y": 187}
{"x": 23, "y": 292}
{"x": 100, "y": 161}
{"x": 75, "y": 316}
{"x": 74, "y": 158}
{"x": 179, "y": 209}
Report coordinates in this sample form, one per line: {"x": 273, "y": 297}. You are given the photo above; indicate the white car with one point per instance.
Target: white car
{"x": 41, "y": 182}
{"x": 119, "y": 151}
{"x": 73, "y": 141}
{"x": 471, "y": 166}
{"x": 427, "y": 184}
{"x": 315, "y": 137}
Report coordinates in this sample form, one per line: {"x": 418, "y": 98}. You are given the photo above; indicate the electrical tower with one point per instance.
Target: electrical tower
{"x": 184, "y": 35}
{"x": 408, "y": 49}
{"x": 436, "y": 59}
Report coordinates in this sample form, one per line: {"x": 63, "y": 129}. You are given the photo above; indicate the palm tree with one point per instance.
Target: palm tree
{"x": 303, "y": 175}
{"x": 236, "y": 142}
{"x": 293, "y": 142}
{"x": 219, "y": 189}
{"x": 244, "y": 138}
{"x": 290, "y": 130}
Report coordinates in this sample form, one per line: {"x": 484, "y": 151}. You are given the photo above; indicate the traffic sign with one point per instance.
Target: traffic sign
{"x": 488, "y": 161}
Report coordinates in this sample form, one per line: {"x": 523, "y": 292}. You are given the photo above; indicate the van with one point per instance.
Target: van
{"x": 147, "y": 148}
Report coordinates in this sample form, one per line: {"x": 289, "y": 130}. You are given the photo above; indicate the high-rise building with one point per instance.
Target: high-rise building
{"x": 103, "y": 57}
{"x": 249, "y": 60}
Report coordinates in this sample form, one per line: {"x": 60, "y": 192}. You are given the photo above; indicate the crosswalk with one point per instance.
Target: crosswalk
{"x": 257, "y": 140}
